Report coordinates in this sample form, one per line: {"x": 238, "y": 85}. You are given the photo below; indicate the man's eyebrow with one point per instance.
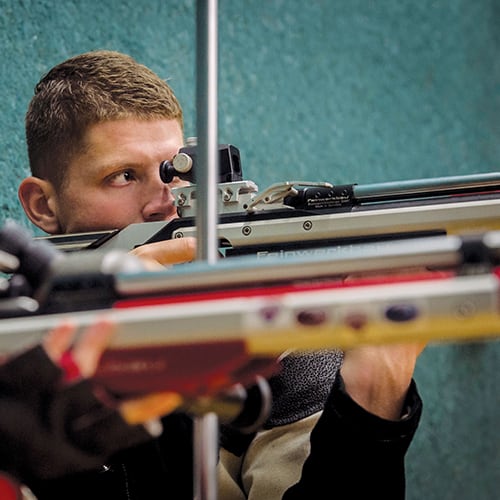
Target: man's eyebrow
{"x": 117, "y": 165}
{"x": 108, "y": 159}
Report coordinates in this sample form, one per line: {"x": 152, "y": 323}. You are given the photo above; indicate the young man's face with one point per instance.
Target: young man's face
{"x": 116, "y": 181}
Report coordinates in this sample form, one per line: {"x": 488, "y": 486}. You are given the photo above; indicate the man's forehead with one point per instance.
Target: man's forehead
{"x": 132, "y": 130}
{"x": 128, "y": 141}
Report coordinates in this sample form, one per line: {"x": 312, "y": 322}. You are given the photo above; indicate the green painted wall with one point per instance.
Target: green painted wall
{"x": 339, "y": 90}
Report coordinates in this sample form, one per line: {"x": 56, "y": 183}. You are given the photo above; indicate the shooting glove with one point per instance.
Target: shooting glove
{"x": 48, "y": 428}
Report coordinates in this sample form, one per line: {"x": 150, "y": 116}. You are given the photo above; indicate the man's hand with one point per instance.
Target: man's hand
{"x": 378, "y": 377}
{"x": 86, "y": 351}
{"x": 168, "y": 252}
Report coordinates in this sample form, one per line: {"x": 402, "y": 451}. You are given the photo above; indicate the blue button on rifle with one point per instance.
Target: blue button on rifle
{"x": 401, "y": 312}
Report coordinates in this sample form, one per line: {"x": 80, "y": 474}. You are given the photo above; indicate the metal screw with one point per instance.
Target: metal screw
{"x": 181, "y": 199}
{"x": 227, "y": 194}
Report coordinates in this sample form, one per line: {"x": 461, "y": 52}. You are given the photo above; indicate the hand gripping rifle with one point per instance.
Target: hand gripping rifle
{"x": 46, "y": 286}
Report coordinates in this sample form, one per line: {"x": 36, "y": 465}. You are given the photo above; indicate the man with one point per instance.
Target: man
{"x": 97, "y": 129}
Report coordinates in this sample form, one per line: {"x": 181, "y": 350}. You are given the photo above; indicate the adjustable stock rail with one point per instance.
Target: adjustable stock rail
{"x": 297, "y": 218}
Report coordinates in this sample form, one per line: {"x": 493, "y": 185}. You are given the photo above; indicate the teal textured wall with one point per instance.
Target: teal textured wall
{"x": 339, "y": 90}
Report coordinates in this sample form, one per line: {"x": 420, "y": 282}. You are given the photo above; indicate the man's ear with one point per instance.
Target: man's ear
{"x": 38, "y": 199}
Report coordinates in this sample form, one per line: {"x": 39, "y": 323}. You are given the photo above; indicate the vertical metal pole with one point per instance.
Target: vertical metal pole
{"x": 206, "y": 175}
{"x": 206, "y": 451}
{"x": 206, "y": 427}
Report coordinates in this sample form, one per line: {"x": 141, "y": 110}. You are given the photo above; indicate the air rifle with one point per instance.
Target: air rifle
{"x": 296, "y": 217}
{"x": 198, "y": 327}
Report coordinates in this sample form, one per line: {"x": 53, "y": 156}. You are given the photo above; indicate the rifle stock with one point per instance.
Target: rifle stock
{"x": 197, "y": 327}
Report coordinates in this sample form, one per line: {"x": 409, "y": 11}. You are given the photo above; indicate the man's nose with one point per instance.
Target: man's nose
{"x": 160, "y": 203}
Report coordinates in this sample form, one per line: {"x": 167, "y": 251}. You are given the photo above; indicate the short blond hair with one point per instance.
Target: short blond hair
{"x": 90, "y": 88}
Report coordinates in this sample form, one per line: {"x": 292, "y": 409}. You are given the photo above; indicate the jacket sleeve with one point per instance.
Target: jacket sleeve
{"x": 355, "y": 454}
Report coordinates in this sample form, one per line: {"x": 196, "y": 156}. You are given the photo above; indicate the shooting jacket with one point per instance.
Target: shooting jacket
{"x": 317, "y": 439}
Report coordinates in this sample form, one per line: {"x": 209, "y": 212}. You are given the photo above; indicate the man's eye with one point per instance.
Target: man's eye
{"x": 122, "y": 178}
